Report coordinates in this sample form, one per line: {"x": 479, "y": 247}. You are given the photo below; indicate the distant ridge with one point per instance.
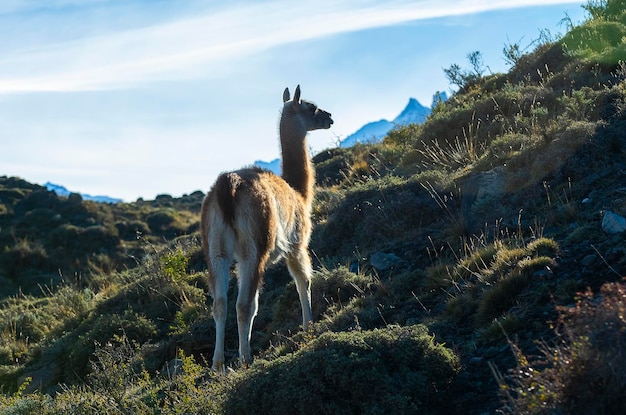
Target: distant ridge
{"x": 373, "y": 132}
{"x": 62, "y": 191}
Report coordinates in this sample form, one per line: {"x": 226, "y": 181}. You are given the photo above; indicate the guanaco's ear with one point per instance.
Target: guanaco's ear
{"x": 296, "y": 95}
{"x": 286, "y": 95}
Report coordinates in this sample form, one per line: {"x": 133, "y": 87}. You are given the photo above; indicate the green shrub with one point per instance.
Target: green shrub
{"x": 165, "y": 222}
{"x": 440, "y": 276}
{"x": 326, "y": 200}
{"x": 594, "y": 39}
{"x": 331, "y": 165}
{"x": 500, "y": 297}
{"x": 24, "y": 255}
{"x": 100, "y": 330}
{"x": 21, "y": 403}
{"x": 40, "y": 198}
{"x": 329, "y": 288}
{"x": 487, "y": 283}
{"x": 65, "y": 235}
{"x": 37, "y": 222}
{"x": 392, "y": 370}
{"x": 159, "y": 220}
{"x": 543, "y": 247}
{"x": 371, "y": 214}
{"x": 462, "y": 307}
{"x": 98, "y": 238}
{"x": 9, "y": 196}
{"x": 477, "y": 262}
{"x": 174, "y": 264}
{"x": 119, "y": 383}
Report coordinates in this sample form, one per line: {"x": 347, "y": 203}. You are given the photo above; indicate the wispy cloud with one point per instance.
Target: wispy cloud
{"x": 205, "y": 45}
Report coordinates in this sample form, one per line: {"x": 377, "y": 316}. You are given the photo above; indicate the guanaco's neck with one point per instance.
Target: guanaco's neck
{"x": 298, "y": 169}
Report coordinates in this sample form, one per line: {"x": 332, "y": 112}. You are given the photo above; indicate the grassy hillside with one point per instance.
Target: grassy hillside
{"x": 46, "y": 239}
{"x": 461, "y": 267}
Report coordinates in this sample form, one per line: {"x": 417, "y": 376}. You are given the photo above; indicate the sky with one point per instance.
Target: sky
{"x": 136, "y": 98}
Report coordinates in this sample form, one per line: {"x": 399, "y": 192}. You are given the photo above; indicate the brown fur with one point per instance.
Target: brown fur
{"x": 255, "y": 218}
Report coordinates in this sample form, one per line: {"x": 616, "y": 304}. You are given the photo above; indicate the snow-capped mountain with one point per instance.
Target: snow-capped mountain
{"x": 373, "y": 132}
{"x": 62, "y": 191}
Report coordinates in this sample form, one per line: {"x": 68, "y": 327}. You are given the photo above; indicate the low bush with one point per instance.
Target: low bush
{"x": 395, "y": 369}
{"x": 22, "y": 256}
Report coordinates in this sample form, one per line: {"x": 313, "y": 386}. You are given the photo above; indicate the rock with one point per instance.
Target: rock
{"x": 490, "y": 183}
{"x": 40, "y": 378}
{"x": 480, "y": 187}
{"x": 613, "y": 223}
{"x": 383, "y": 262}
{"x": 588, "y": 260}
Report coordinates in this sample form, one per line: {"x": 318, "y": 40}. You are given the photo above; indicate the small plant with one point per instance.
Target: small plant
{"x": 117, "y": 371}
{"x": 500, "y": 298}
{"x": 174, "y": 264}
{"x": 463, "y": 77}
{"x": 487, "y": 280}
{"x": 191, "y": 389}
{"x": 21, "y": 402}
{"x": 189, "y": 313}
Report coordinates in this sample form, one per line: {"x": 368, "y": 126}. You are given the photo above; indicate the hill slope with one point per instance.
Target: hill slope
{"x": 46, "y": 238}
{"x": 462, "y": 267}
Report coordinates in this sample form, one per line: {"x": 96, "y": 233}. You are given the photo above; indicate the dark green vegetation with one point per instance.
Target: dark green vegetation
{"x": 499, "y": 289}
{"x": 45, "y": 239}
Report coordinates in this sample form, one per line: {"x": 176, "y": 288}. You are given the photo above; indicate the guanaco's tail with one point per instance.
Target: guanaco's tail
{"x": 225, "y": 190}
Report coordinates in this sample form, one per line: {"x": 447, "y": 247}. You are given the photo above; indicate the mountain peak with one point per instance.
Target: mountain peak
{"x": 414, "y": 112}
{"x": 413, "y": 103}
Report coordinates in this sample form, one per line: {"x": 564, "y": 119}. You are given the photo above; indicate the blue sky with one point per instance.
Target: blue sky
{"x": 135, "y": 98}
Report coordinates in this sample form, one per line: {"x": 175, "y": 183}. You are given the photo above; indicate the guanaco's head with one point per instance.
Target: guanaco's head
{"x": 312, "y": 117}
